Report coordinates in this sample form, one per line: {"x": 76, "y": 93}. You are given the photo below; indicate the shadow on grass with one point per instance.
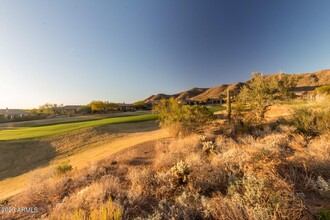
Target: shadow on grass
{"x": 130, "y": 127}
{"x": 139, "y": 161}
{"x": 19, "y": 157}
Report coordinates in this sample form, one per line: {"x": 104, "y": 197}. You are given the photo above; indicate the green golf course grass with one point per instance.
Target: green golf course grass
{"x": 216, "y": 108}
{"x": 49, "y": 130}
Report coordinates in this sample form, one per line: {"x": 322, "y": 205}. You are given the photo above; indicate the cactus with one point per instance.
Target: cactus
{"x": 209, "y": 147}
{"x": 228, "y": 104}
{"x": 180, "y": 173}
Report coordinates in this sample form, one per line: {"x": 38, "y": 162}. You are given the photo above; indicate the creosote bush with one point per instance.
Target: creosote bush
{"x": 64, "y": 167}
{"x": 182, "y": 119}
{"x": 312, "y": 120}
{"x": 323, "y": 90}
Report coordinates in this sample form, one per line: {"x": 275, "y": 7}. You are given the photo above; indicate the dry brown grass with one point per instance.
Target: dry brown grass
{"x": 271, "y": 173}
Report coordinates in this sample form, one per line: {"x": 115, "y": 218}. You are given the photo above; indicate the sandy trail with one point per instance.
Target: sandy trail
{"x": 12, "y": 186}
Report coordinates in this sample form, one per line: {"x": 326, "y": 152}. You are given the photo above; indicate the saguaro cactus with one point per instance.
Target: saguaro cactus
{"x": 228, "y": 105}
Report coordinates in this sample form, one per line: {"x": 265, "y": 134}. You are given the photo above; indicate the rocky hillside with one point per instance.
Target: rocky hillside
{"x": 159, "y": 97}
{"x": 219, "y": 91}
{"x": 319, "y": 78}
{"x": 307, "y": 82}
{"x": 191, "y": 93}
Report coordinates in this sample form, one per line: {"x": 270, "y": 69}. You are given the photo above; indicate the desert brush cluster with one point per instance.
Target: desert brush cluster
{"x": 210, "y": 169}
{"x": 269, "y": 172}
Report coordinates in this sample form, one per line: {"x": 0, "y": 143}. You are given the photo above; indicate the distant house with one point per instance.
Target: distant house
{"x": 126, "y": 107}
{"x": 67, "y": 110}
{"x": 11, "y": 114}
{"x": 189, "y": 102}
{"x": 211, "y": 101}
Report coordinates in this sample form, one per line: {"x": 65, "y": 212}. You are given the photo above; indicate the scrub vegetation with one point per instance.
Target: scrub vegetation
{"x": 248, "y": 167}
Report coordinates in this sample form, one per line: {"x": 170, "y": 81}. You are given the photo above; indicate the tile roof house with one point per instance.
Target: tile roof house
{"x": 8, "y": 114}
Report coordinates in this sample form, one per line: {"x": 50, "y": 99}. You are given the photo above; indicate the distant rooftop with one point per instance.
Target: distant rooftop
{"x": 12, "y": 112}
{"x": 68, "y": 107}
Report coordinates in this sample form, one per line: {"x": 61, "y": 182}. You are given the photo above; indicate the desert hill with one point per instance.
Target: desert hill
{"x": 219, "y": 91}
{"x": 306, "y": 82}
{"x": 184, "y": 95}
{"x": 319, "y": 78}
{"x": 160, "y": 96}
{"x": 191, "y": 93}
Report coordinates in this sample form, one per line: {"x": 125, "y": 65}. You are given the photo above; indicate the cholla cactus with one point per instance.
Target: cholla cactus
{"x": 323, "y": 187}
{"x": 202, "y": 137}
{"x": 322, "y": 184}
{"x": 209, "y": 147}
{"x": 180, "y": 173}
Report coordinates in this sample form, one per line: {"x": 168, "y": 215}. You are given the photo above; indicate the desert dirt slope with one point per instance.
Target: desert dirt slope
{"x": 81, "y": 148}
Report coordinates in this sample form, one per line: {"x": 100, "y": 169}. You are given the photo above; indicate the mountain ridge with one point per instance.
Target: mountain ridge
{"x": 306, "y": 82}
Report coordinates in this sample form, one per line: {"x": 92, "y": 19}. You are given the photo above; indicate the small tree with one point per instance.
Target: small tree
{"x": 285, "y": 85}
{"x": 85, "y": 110}
{"x": 182, "y": 119}
{"x": 112, "y": 106}
{"x": 47, "y": 108}
{"x": 98, "y": 106}
{"x": 141, "y": 105}
{"x": 258, "y": 94}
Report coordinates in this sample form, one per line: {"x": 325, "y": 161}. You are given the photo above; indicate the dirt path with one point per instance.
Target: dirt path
{"x": 12, "y": 186}
{"x": 80, "y": 160}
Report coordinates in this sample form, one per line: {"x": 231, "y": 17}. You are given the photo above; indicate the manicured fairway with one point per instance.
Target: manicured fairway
{"x": 42, "y": 131}
{"x": 216, "y": 108}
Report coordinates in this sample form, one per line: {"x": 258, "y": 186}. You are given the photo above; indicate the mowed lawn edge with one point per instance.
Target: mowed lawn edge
{"x": 50, "y": 130}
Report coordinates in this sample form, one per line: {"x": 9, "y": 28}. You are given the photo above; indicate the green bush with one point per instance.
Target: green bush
{"x": 323, "y": 90}
{"x": 182, "y": 119}
{"x": 64, "y": 167}
{"x": 311, "y": 120}
{"x": 257, "y": 95}
{"x": 324, "y": 215}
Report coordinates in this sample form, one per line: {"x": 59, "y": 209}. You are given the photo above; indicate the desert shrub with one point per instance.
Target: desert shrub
{"x": 64, "y": 167}
{"x": 311, "y": 120}
{"x": 141, "y": 181}
{"x": 265, "y": 198}
{"x": 323, "y": 90}
{"x": 182, "y": 119}
{"x": 223, "y": 208}
{"x": 89, "y": 200}
{"x": 285, "y": 85}
{"x": 206, "y": 177}
{"x": 324, "y": 214}
{"x": 180, "y": 173}
{"x": 109, "y": 210}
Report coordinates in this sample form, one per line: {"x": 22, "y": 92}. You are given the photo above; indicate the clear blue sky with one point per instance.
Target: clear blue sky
{"x": 72, "y": 52}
